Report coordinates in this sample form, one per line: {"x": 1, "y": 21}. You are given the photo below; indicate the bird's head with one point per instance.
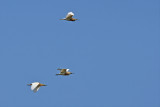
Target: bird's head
{"x": 42, "y": 85}
{"x": 73, "y": 19}
{"x": 71, "y": 73}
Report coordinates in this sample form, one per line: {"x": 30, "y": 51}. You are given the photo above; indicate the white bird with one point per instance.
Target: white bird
{"x": 69, "y": 17}
{"x": 35, "y": 86}
{"x": 64, "y": 72}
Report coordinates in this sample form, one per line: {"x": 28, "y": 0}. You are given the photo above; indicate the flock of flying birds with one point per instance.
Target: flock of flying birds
{"x": 36, "y": 85}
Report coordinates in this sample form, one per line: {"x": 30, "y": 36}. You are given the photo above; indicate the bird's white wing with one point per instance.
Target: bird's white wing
{"x": 67, "y": 70}
{"x": 34, "y": 85}
{"x": 69, "y": 15}
{"x": 36, "y": 89}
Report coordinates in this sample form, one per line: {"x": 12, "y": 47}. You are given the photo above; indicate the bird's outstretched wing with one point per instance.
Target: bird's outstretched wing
{"x": 34, "y": 86}
{"x": 36, "y": 89}
{"x": 69, "y": 15}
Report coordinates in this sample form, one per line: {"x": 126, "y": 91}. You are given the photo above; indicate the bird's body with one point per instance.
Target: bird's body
{"x": 69, "y": 17}
{"x": 64, "y": 72}
{"x": 35, "y": 86}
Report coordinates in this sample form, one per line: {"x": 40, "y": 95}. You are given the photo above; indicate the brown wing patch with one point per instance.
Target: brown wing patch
{"x": 63, "y": 70}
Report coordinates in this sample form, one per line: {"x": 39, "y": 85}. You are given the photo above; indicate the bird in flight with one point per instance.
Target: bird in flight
{"x": 64, "y": 72}
{"x": 35, "y": 86}
{"x": 69, "y": 17}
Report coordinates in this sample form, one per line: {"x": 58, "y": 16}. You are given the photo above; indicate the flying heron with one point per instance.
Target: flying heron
{"x": 64, "y": 72}
{"x": 35, "y": 86}
{"x": 69, "y": 17}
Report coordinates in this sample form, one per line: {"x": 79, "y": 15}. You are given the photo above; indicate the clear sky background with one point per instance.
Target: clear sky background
{"x": 113, "y": 49}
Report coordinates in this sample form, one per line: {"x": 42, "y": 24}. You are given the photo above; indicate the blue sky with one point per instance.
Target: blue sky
{"x": 113, "y": 49}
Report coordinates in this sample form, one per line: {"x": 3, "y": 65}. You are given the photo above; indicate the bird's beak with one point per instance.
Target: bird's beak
{"x": 29, "y": 84}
